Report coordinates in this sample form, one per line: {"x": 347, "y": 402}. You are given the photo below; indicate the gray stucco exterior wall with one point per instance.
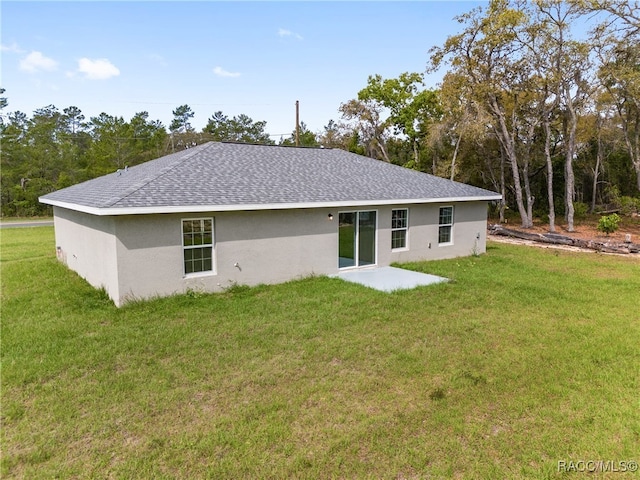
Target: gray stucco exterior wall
{"x": 141, "y": 256}
{"x": 270, "y": 246}
{"x": 469, "y": 233}
{"x": 87, "y": 245}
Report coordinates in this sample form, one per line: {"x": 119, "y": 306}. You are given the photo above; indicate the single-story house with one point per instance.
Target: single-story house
{"x": 220, "y": 214}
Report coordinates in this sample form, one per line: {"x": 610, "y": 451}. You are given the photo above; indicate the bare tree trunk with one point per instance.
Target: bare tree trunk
{"x": 633, "y": 145}
{"x": 596, "y": 174}
{"x": 503, "y": 187}
{"x": 455, "y": 155}
{"x": 636, "y": 165}
{"x": 527, "y": 190}
{"x": 508, "y": 144}
{"x": 568, "y": 164}
{"x": 596, "y": 170}
{"x": 383, "y": 151}
{"x": 525, "y": 173}
{"x": 547, "y": 155}
{"x": 635, "y": 157}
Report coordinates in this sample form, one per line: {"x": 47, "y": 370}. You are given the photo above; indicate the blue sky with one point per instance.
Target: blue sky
{"x": 255, "y": 58}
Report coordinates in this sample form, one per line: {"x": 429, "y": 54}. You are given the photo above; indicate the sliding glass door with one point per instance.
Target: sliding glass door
{"x": 356, "y": 239}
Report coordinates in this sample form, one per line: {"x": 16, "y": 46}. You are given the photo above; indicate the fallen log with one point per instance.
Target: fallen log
{"x": 553, "y": 238}
{"x": 557, "y": 239}
{"x": 508, "y": 232}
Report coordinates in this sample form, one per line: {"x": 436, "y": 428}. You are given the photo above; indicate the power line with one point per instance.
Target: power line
{"x": 199, "y": 104}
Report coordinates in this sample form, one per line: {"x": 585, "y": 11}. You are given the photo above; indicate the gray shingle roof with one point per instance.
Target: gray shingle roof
{"x": 238, "y": 175}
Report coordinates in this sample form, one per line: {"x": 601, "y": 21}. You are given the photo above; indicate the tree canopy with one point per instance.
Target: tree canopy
{"x": 239, "y": 128}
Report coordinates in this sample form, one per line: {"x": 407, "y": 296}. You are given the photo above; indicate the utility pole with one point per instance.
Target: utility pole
{"x": 297, "y": 123}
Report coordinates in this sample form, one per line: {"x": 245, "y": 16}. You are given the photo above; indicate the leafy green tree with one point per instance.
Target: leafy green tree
{"x": 619, "y": 74}
{"x": 147, "y": 139}
{"x": 353, "y": 143}
{"x": 488, "y": 56}
{"x": 461, "y": 120}
{"x": 572, "y": 61}
{"x": 332, "y": 136}
{"x": 306, "y": 138}
{"x": 14, "y": 161}
{"x": 73, "y": 120}
{"x": 365, "y": 118}
{"x": 412, "y": 109}
{"x": 181, "y": 122}
{"x": 221, "y": 128}
{"x": 183, "y": 135}
{"x": 77, "y": 140}
{"x": 32, "y": 159}
{"x": 3, "y": 104}
{"x": 43, "y": 136}
{"x": 109, "y": 148}
{"x": 117, "y": 143}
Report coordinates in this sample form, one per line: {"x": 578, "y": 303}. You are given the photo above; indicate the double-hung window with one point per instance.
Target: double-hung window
{"x": 445, "y": 226}
{"x": 399, "y": 228}
{"x": 197, "y": 245}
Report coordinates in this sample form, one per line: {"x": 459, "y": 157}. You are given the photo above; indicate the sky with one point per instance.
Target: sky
{"x": 252, "y": 58}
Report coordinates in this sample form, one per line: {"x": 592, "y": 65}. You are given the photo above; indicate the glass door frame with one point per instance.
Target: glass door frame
{"x": 356, "y": 240}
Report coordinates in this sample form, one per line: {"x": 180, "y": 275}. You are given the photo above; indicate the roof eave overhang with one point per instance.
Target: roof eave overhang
{"x": 111, "y": 211}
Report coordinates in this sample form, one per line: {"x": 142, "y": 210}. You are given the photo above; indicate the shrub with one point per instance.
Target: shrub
{"x": 609, "y": 223}
{"x": 629, "y": 205}
{"x": 580, "y": 210}
{"x": 612, "y": 195}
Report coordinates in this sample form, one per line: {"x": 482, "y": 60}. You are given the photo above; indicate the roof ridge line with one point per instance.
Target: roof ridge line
{"x": 252, "y": 144}
{"x": 137, "y": 186}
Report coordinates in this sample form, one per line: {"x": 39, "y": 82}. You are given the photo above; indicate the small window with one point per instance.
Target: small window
{"x": 399, "y": 228}
{"x": 445, "y": 223}
{"x": 197, "y": 242}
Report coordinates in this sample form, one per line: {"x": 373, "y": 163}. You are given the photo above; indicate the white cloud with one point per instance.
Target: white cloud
{"x": 283, "y": 32}
{"x": 36, "y": 61}
{"x": 221, "y": 72}
{"x": 13, "y": 48}
{"x": 99, "y": 69}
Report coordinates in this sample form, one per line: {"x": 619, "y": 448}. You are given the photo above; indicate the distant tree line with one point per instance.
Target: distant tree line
{"x": 54, "y": 149}
{"x": 525, "y": 108}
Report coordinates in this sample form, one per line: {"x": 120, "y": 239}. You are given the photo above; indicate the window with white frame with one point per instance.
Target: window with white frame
{"x": 399, "y": 228}
{"x": 445, "y": 225}
{"x": 197, "y": 245}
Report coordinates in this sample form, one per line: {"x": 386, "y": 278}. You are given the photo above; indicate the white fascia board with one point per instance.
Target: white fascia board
{"x": 110, "y": 211}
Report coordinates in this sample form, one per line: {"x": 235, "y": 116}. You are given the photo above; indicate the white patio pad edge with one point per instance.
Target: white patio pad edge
{"x": 388, "y": 279}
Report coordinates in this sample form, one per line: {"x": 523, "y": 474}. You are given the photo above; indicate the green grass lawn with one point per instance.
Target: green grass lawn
{"x": 527, "y": 358}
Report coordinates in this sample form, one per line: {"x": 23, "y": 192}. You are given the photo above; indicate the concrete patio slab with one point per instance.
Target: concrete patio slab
{"x": 389, "y": 279}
